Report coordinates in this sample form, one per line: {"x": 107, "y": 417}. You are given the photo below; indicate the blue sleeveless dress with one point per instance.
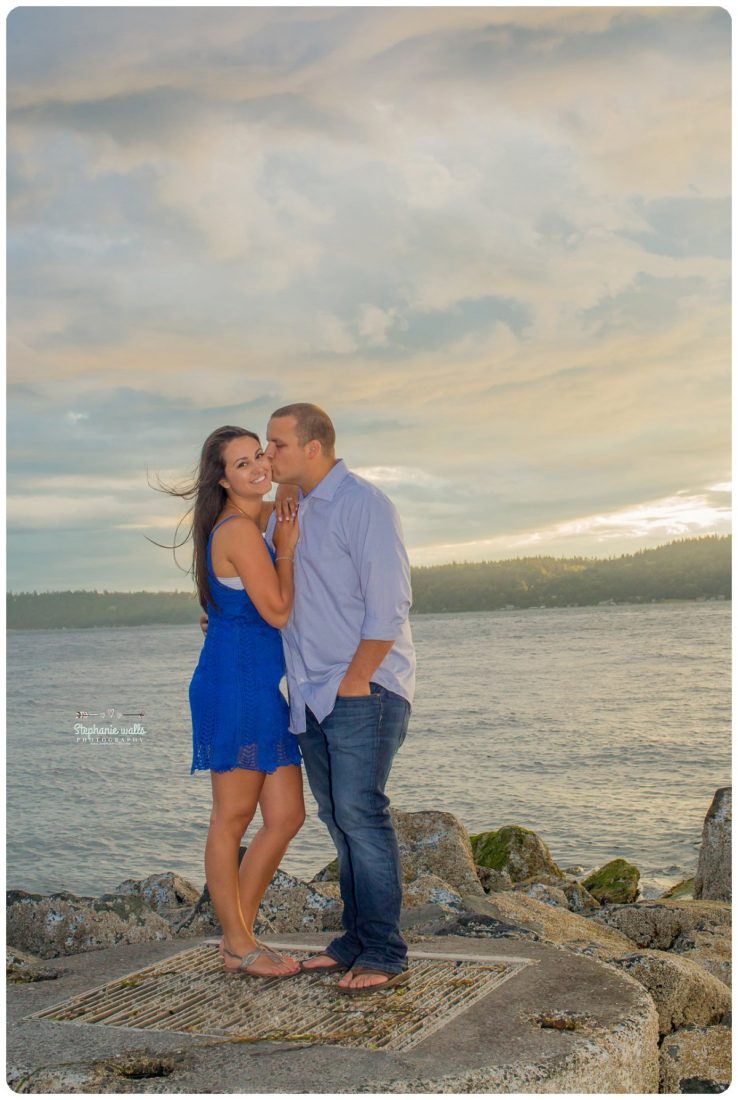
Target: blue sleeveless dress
{"x": 240, "y": 718}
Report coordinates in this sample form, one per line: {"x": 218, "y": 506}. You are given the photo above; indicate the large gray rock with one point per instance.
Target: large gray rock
{"x": 553, "y": 924}
{"x": 290, "y": 905}
{"x": 201, "y": 920}
{"x": 431, "y": 843}
{"x": 430, "y": 890}
{"x": 164, "y": 892}
{"x": 658, "y": 923}
{"x": 67, "y": 924}
{"x": 710, "y": 946}
{"x": 683, "y": 992}
{"x": 713, "y": 878}
{"x": 696, "y": 1059}
{"x": 520, "y": 852}
{"x": 697, "y": 930}
{"x": 436, "y": 843}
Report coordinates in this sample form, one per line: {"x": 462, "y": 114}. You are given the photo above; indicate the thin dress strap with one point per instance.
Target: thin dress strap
{"x": 220, "y": 524}
{"x": 210, "y": 538}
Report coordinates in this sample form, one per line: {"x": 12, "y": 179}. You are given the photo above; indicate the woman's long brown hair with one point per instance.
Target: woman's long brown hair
{"x": 210, "y": 498}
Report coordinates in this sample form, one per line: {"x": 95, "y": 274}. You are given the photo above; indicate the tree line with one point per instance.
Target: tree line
{"x": 685, "y": 569}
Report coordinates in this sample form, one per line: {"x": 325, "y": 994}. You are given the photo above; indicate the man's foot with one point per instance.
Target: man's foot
{"x": 359, "y": 981}
{"x": 366, "y": 978}
{"x": 324, "y": 964}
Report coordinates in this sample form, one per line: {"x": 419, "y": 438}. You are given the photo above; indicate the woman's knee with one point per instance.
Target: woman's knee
{"x": 232, "y": 819}
{"x": 287, "y": 823}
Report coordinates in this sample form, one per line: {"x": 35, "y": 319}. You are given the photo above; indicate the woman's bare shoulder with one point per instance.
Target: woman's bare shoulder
{"x": 241, "y": 528}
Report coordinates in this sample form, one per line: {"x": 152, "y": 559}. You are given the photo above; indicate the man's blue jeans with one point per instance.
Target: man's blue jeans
{"x": 347, "y": 758}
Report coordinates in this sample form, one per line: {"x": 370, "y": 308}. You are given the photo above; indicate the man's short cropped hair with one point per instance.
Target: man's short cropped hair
{"x": 312, "y": 423}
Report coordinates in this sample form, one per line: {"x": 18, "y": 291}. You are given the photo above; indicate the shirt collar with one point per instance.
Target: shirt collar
{"x": 326, "y": 488}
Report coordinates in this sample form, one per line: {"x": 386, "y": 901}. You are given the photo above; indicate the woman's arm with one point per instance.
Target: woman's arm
{"x": 269, "y": 586}
{"x": 266, "y": 510}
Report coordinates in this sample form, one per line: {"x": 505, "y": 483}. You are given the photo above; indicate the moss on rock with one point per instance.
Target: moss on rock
{"x": 519, "y": 851}
{"x": 683, "y": 889}
{"x": 614, "y": 883}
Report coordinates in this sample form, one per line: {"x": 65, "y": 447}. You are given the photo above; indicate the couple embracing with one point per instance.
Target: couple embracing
{"x": 317, "y": 586}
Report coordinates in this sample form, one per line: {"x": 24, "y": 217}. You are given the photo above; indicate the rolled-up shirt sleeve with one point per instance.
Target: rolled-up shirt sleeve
{"x": 377, "y": 548}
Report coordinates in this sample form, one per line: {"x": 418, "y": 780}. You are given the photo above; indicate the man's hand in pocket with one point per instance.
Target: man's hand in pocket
{"x": 351, "y": 686}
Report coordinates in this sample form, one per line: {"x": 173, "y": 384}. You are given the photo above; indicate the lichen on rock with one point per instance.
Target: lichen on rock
{"x": 66, "y": 924}
{"x": 518, "y": 851}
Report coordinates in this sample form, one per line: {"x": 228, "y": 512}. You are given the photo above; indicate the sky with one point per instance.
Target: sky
{"x": 493, "y": 243}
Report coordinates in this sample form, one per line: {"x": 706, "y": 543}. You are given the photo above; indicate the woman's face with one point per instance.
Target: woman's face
{"x": 248, "y": 471}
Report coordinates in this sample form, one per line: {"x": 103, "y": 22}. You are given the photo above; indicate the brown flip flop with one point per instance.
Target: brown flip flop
{"x": 393, "y": 979}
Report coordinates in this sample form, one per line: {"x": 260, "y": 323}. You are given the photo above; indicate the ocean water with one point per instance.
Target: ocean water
{"x": 604, "y": 729}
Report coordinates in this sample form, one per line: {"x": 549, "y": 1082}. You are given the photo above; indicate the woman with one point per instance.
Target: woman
{"x": 239, "y": 716}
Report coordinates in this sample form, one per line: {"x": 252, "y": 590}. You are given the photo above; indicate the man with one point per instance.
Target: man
{"x": 351, "y": 676}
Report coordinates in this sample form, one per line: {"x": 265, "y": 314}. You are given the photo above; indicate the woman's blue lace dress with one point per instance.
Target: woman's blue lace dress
{"x": 239, "y": 716}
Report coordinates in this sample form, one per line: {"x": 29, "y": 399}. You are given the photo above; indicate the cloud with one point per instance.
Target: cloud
{"x": 649, "y": 523}
{"x": 685, "y": 226}
{"x": 492, "y": 242}
{"x": 650, "y": 302}
{"x": 392, "y": 477}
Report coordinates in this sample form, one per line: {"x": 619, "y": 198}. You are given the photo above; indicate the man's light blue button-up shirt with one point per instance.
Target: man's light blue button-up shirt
{"x": 352, "y": 581}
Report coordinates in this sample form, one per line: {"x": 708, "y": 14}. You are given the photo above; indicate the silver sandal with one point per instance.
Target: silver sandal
{"x": 271, "y": 951}
{"x": 251, "y": 957}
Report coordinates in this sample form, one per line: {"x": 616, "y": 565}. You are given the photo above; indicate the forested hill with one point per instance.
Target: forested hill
{"x": 686, "y": 569}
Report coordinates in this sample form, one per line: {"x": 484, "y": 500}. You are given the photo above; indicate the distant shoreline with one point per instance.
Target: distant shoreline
{"x": 685, "y": 570}
{"x": 413, "y": 614}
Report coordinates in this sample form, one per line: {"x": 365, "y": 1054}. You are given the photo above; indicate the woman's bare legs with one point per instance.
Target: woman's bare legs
{"x": 235, "y": 796}
{"x": 283, "y": 813}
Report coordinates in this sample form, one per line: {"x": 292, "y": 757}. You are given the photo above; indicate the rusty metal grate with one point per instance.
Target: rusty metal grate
{"x": 190, "y": 992}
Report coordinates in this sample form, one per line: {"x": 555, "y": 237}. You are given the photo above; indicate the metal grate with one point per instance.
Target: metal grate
{"x": 190, "y": 992}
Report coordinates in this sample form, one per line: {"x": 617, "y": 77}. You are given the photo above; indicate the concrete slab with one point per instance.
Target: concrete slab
{"x": 538, "y": 1019}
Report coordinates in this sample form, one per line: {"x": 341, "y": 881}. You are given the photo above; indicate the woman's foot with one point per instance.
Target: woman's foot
{"x": 269, "y": 962}
{"x": 293, "y": 963}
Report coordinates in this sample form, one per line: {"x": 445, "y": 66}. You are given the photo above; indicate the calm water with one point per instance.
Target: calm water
{"x": 606, "y": 730}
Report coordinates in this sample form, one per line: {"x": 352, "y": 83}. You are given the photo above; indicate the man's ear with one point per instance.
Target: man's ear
{"x": 313, "y": 449}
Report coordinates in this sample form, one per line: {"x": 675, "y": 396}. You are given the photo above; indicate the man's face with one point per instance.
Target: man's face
{"x": 284, "y": 450}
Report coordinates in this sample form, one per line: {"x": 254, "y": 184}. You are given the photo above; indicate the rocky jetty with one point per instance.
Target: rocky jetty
{"x": 502, "y": 884}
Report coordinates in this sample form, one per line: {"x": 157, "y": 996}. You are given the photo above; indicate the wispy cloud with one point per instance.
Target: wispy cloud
{"x": 396, "y": 476}
{"x": 513, "y": 292}
{"x": 649, "y": 523}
